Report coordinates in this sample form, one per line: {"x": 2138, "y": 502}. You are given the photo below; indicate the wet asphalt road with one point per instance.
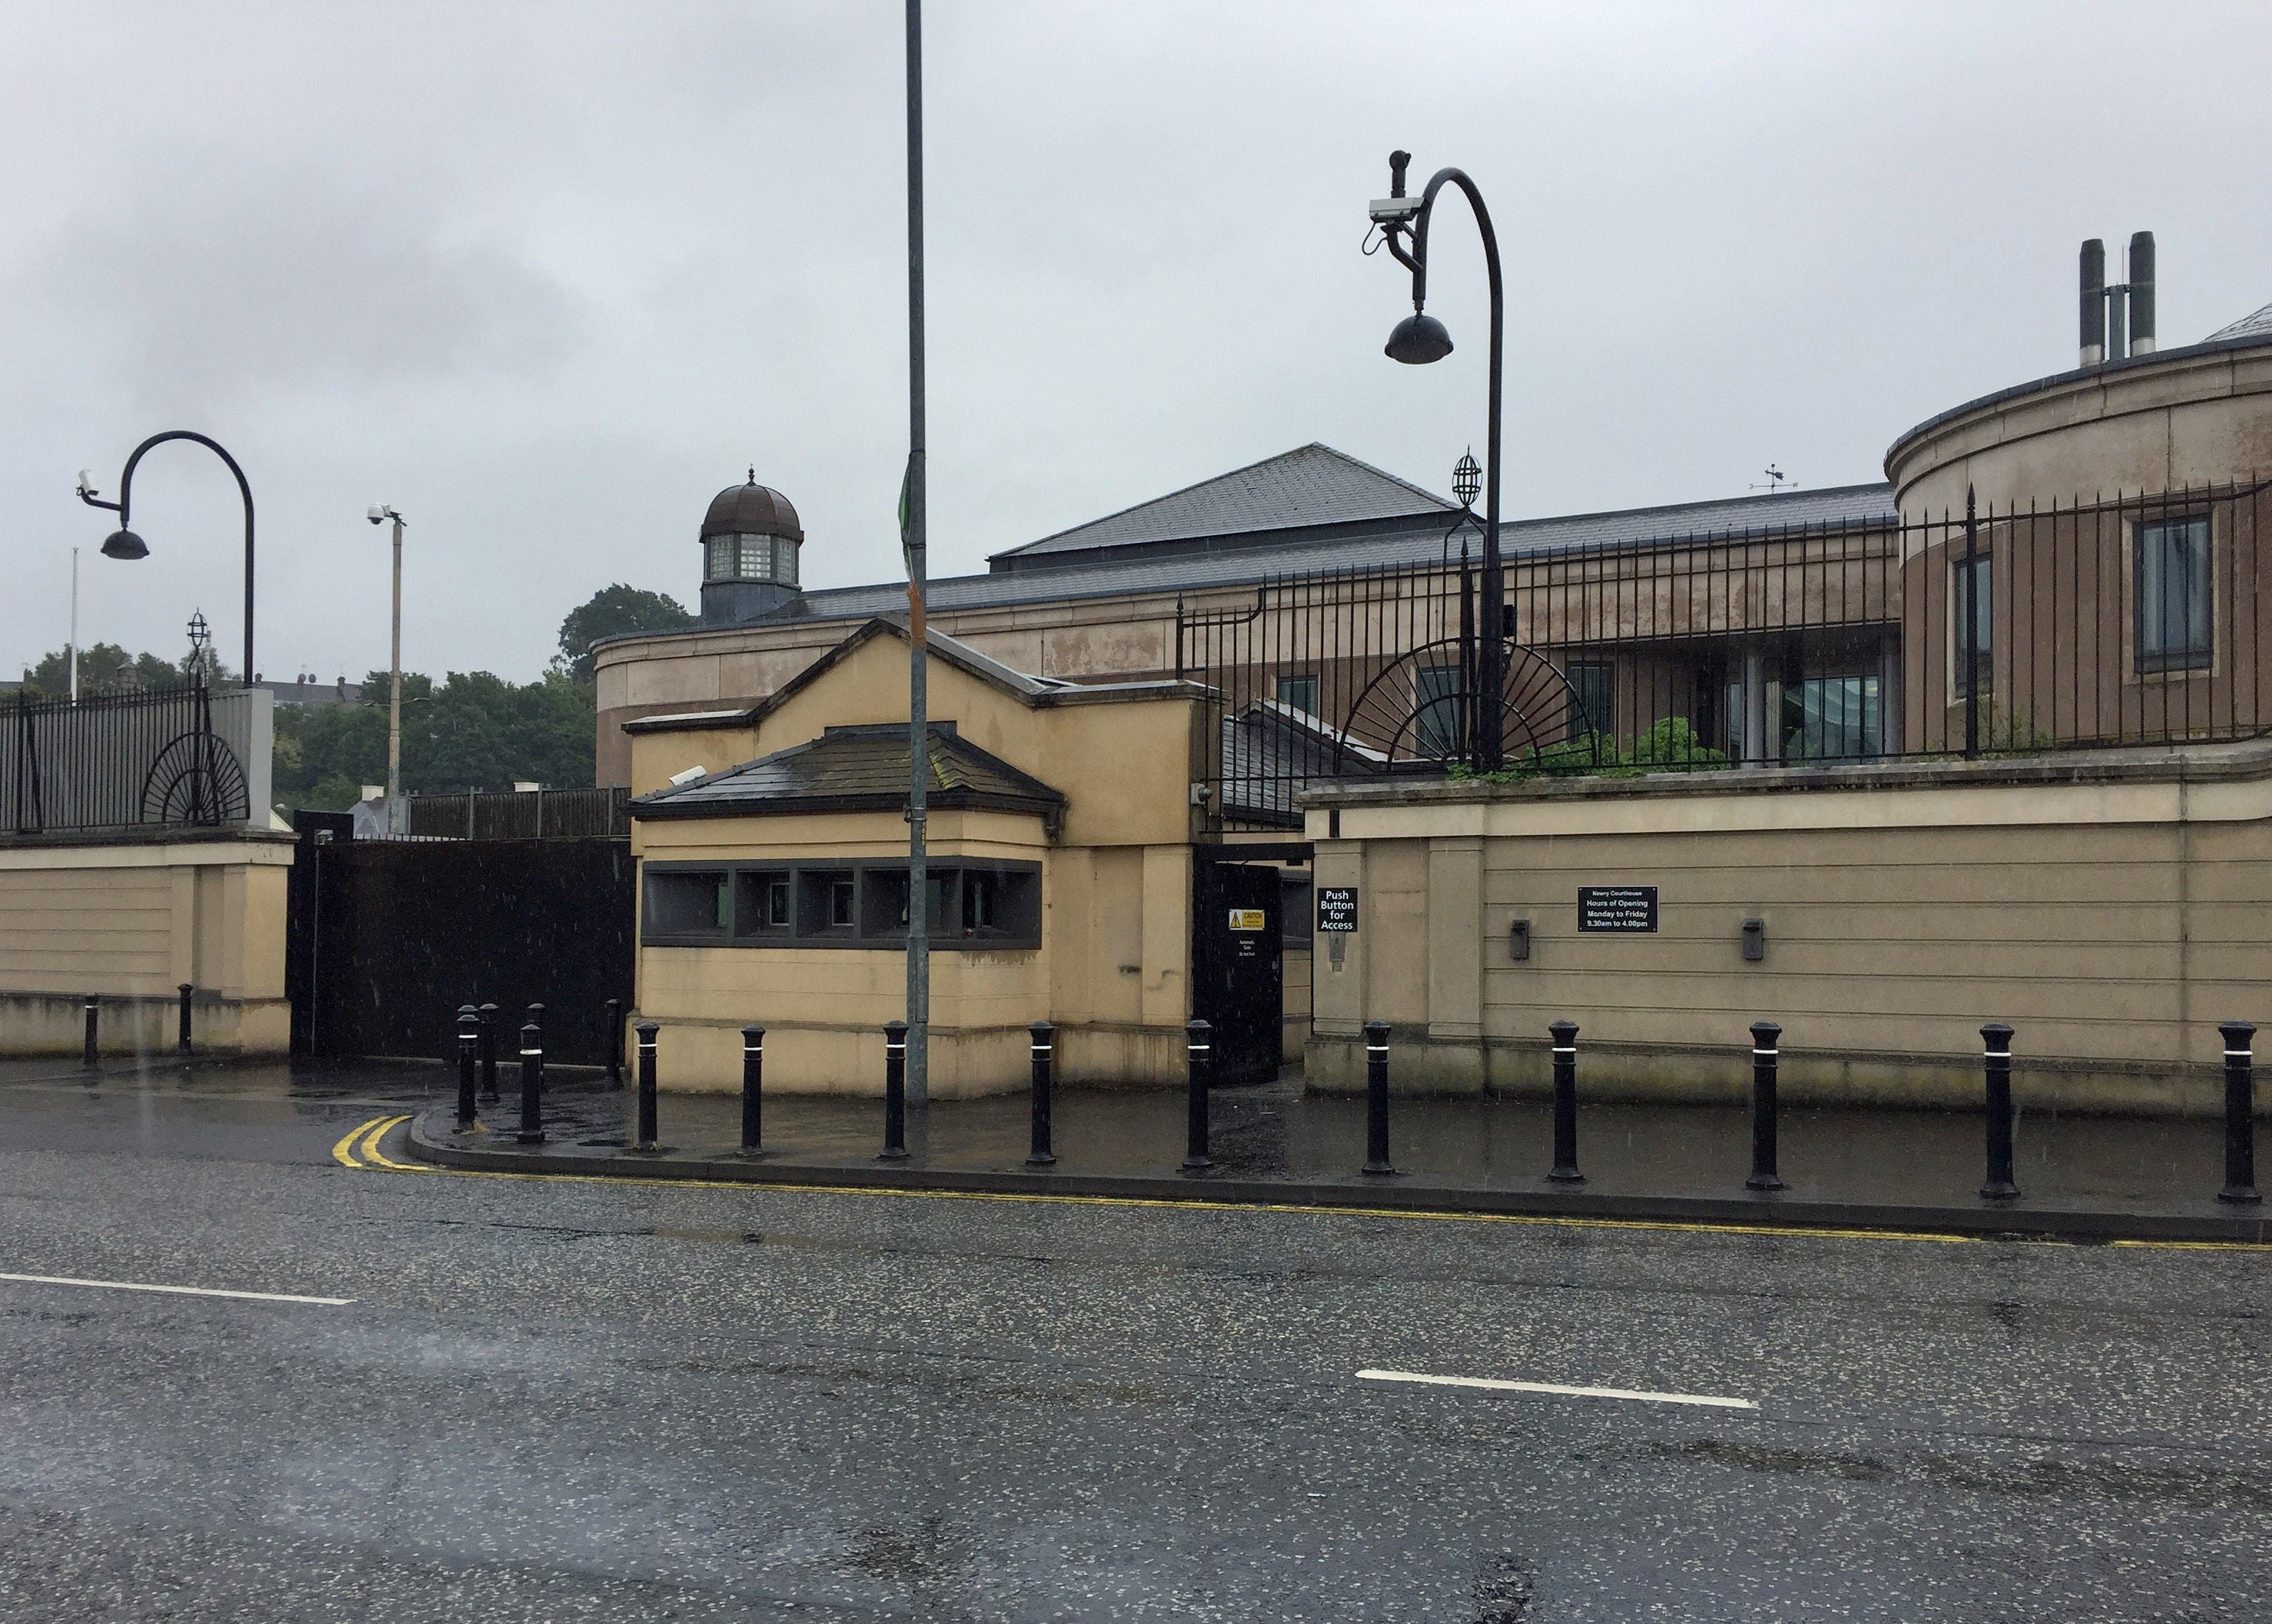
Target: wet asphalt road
{"x": 568, "y": 1401}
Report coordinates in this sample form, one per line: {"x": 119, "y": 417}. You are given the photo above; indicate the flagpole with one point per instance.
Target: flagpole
{"x": 913, "y": 539}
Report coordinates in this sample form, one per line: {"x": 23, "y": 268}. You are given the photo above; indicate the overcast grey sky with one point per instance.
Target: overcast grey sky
{"x": 546, "y": 277}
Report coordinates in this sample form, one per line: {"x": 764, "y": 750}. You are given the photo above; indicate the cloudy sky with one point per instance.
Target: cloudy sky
{"x": 547, "y": 276}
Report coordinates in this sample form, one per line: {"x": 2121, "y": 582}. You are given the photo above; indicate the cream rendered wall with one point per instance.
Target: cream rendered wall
{"x": 2112, "y": 922}
{"x": 129, "y": 921}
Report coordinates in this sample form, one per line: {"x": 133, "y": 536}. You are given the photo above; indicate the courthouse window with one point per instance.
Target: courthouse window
{"x": 2170, "y": 589}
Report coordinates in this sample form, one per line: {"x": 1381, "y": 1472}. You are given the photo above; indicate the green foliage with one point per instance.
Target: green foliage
{"x": 103, "y": 668}
{"x": 614, "y": 612}
{"x": 1669, "y": 746}
{"x": 474, "y": 730}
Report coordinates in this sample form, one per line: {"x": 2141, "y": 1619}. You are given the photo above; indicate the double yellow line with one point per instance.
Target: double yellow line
{"x": 360, "y": 1149}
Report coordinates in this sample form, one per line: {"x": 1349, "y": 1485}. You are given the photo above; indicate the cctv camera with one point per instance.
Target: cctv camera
{"x": 1394, "y": 211}
{"x": 86, "y": 481}
{"x": 376, "y": 514}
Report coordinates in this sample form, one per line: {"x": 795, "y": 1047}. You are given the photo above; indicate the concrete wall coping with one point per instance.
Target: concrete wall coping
{"x": 2240, "y": 762}
{"x": 157, "y": 846}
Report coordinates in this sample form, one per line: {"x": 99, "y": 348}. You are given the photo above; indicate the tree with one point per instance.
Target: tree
{"x": 614, "y": 612}
{"x": 103, "y": 668}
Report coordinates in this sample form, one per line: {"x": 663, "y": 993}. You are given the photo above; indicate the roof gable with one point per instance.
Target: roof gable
{"x": 1311, "y": 485}
{"x": 857, "y": 769}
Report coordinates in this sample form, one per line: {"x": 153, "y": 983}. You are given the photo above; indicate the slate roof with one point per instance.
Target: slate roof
{"x": 1850, "y": 504}
{"x": 1312, "y": 485}
{"x": 855, "y": 770}
{"x": 2250, "y": 326}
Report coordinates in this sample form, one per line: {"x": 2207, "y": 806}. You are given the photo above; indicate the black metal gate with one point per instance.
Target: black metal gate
{"x": 1238, "y": 974}
{"x": 388, "y": 937}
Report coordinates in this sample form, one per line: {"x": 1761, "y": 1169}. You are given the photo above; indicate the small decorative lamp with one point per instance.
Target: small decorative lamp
{"x": 1466, "y": 479}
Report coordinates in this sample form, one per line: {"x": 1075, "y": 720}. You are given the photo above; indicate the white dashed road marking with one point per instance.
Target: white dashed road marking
{"x": 1496, "y": 1386}
{"x": 179, "y": 1291}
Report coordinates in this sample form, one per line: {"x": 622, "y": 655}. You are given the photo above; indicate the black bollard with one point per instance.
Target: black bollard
{"x": 536, "y": 1017}
{"x": 1996, "y": 1064}
{"x": 615, "y": 1043}
{"x": 1764, "y": 1176}
{"x": 1199, "y": 1044}
{"x": 469, "y": 1045}
{"x": 93, "y": 1009}
{"x": 895, "y": 1092}
{"x": 2240, "y": 1115}
{"x": 1044, "y": 1043}
{"x": 489, "y": 1013}
{"x": 182, "y": 1043}
{"x": 753, "y": 1090}
{"x": 1375, "y": 1097}
{"x": 531, "y": 1084}
{"x": 644, "y": 1143}
{"x": 1565, "y": 1103}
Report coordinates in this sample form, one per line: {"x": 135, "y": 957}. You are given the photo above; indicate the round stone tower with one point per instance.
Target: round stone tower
{"x": 751, "y": 539}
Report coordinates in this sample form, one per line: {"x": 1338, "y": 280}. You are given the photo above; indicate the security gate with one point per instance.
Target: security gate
{"x": 388, "y": 937}
{"x": 1237, "y": 976}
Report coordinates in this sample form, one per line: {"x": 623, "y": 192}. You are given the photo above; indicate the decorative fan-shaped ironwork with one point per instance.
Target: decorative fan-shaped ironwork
{"x": 1415, "y": 710}
{"x": 195, "y": 779}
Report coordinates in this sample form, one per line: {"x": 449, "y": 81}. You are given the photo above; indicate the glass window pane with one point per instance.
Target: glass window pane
{"x": 785, "y": 561}
{"x": 757, "y": 558}
{"x": 1831, "y": 718}
{"x": 2172, "y": 587}
{"x": 1980, "y": 579}
{"x": 1596, "y": 683}
{"x": 1300, "y": 692}
{"x": 1439, "y": 714}
{"x": 680, "y": 903}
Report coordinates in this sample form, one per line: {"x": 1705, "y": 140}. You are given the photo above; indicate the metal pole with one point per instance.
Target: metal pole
{"x": 469, "y": 1044}
{"x": 646, "y": 1030}
{"x": 1996, "y": 1064}
{"x": 916, "y": 539}
{"x": 753, "y": 1090}
{"x": 531, "y": 1084}
{"x": 615, "y": 1043}
{"x": 1044, "y": 1044}
{"x": 1764, "y": 1060}
{"x": 394, "y": 818}
{"x": 1375, "y": 1097}
{"x": 895, "y": 1092}
{"x": 1970, "y": 598}
{"x": 74, "y": 628}
{"x": 1565, "y": 1103}
{"x": 2240, "y": 1115}
{"x": 489, "y": 1014}
{"x": 122, "y": 507}
{"x": 182, "y": 1043}
{"x": 1199, "y": 1038}
{"x": 93, "y": 1010}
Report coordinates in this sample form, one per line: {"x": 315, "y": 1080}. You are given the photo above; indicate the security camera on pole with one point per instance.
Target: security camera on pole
{"x": 379, "y": 512}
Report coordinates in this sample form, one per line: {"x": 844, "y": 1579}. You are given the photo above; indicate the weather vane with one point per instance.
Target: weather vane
{"x": 1776, "y": 480}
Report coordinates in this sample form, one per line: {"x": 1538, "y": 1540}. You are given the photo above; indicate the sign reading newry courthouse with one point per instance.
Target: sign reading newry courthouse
{"x": 1617, "y": 908}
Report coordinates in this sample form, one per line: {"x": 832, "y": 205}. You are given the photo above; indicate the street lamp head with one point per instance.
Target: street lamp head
{"x": 1419, "y": 339}
{"x": 125, "y": 544}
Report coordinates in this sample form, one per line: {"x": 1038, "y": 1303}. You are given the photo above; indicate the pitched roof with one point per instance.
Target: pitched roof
{"x": 853, "y": 770}
{"x": 2249, "y": 326}
{"x": 1111, "y": 577}
{"x": 1311, "y": 485}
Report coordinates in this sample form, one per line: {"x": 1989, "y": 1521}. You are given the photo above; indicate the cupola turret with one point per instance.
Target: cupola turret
{"x": 751, "y": 539}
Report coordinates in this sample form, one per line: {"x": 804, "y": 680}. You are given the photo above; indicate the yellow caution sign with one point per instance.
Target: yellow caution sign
{"x": 1246, "y": 919}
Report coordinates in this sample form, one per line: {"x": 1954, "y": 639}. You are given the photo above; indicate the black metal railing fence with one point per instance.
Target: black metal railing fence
{"x": 522, "y": 815}
{"x": 2133, "y": 621}
{"x": 170, "y": 756}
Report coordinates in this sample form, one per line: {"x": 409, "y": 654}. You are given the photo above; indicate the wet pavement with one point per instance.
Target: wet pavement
{"x": 518, "y": 1399}
{"x": 1905, "y": 1159}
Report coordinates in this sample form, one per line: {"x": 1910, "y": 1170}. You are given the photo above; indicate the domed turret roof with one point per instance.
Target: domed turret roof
{"x": 752, "y": 509}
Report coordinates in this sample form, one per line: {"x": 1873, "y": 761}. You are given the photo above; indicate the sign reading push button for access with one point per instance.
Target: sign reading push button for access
{"x": 1337, "y": 910}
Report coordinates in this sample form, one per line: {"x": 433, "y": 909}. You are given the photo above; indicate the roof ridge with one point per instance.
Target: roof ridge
{"x": 1217, "y": 479}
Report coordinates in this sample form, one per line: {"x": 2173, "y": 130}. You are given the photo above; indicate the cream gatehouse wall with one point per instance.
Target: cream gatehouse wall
{"x": 2110, "y": 906}
{"x": 1112, "y": 965}
{"x": 129, "y": 920}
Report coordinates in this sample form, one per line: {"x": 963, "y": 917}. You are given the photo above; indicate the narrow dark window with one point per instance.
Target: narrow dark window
{"x": 685, "y": 903}
{"x": 1299, "y": 692}
{"x": 1438, "y": 719}
{"x": 2172, "y": 591}
{"x": 1596, "y": 685}
{"x": 1972, "y": 602}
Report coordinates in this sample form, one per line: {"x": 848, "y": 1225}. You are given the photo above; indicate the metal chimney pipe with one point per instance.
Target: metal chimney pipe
{"x": 2141, "y": 292}
{"x": 2094, "y": 303}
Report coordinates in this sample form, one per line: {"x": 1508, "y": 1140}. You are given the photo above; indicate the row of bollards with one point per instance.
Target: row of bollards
{"x": 89, "y": 1054}
{"x": 476, "y": 1067}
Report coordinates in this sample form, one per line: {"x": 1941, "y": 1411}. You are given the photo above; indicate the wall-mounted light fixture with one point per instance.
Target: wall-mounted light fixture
{"x": 1755, "y": 941}
{"x": 1518, "y": 940}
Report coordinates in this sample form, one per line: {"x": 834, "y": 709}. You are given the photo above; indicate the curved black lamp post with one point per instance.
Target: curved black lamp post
{"x": 1420, "y": 339}
{"x": 124, "y": 544}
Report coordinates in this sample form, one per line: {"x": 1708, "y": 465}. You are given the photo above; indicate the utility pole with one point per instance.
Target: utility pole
{"x": 74, "y": 628}
{"x": 396, "y": 823}
{"x": 913, "y": 540}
